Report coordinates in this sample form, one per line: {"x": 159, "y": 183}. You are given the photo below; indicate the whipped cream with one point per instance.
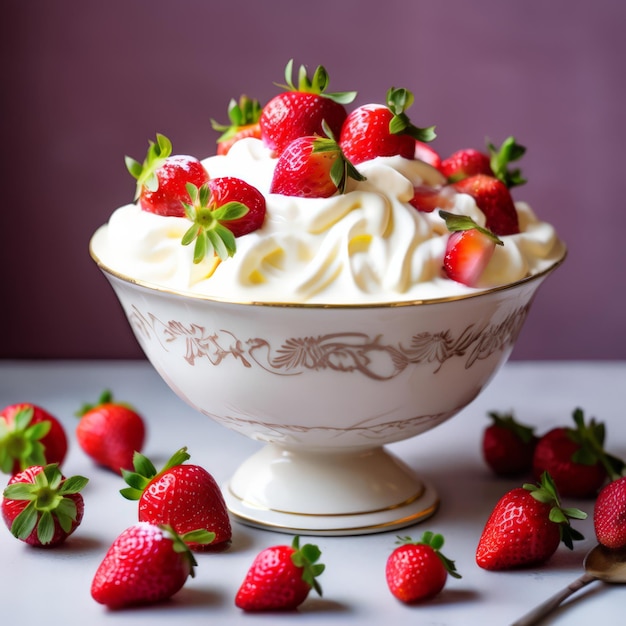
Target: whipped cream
{"x": 365, "y": 246}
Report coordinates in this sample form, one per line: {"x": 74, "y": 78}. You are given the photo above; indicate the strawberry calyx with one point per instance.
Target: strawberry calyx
{"x": 545, "y": 491}
{"x": 457, "y": 223}
{"x": 316, "y": 84}
{"x": 243, "y": 113}
{"x": 399, "y": 100}
{"x": 590, "y": 439}
{"x": 180, "y": 542}
{"x": 508, "y": 422}
{"x": 342, "y": 169}
{"x": 106, "y": 397}
{"x": 435, "y": 541}
{"x": 47, "y": 501}
{"x": 145, "y": 172}
{"x": 145, "y": 471}
{"x": 208, "y": 231}
{"x": 21, "y": 440}
{"x": 500, "y": 158}
{"x": 306, "y": 557}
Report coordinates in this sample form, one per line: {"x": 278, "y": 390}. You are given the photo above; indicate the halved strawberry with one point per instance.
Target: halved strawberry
{"x": 301, "y": 109}
{"x": 376, "y": 130}
{"x": 244, "y": 122}
{"x": 468, "y": 250}
{"x": 162, "y": 179}
{"x": 427, "y": 199}
{"x": 221, "y": 210}
{"x": 312, "y": 167}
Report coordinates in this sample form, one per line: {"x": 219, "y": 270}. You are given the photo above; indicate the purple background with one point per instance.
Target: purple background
{"x": 85, "y": 83}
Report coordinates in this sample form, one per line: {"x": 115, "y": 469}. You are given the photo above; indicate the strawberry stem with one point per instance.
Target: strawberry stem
{"x": 306, "y": 557}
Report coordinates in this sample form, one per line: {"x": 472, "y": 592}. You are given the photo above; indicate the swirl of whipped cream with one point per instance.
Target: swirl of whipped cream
{"x": 365, "y": 246}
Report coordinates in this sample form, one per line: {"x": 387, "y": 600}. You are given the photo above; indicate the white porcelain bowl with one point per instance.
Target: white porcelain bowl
{"x": 326, "y": 387}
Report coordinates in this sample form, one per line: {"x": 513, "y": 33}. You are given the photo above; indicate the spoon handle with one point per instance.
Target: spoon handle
{"x": 549, "y": 605}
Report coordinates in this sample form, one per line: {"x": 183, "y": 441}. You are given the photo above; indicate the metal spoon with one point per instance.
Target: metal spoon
{"x": 600, "y": 564}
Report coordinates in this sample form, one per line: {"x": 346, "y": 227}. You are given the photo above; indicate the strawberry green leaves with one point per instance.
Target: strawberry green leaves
{"x": 22, "y": 440}
{"x": 145, "y": 172}
{"x": 459, "y": 223}
{"x": 208, "y": 231}
{"x": 398, "y": 101}
{"x": 316, "y": 84}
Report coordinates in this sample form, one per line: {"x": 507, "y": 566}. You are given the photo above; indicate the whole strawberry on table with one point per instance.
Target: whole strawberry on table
{"x": 181, "y": 495}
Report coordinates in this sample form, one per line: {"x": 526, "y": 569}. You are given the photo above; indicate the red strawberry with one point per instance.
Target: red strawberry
{"x": 508, "y": 445}
{"x": 30, "y": 435}
{"x": 468, "y": 162}
{"x": 494, "y": 199}
{"x": 301, "y": 109}
{"x": 427, "y": 153}
{"x": 464, "y": 163}
{"x": 417, "y": 570}
{"x": 110, "y": 432}
{"x": 280, "y": 578}
{"x": 244, "y": 122}
{"x": 427, "y": 199}
{"x": 144, "y": 565}
{"x": 312, "y": 167}
{"x": 42, "y": 507}
{"x": 468, "y": 250}
{"x": 186, "y": 497}
{"x": 525, "y": 528}
{"x": 162, "y": 179}
{"x": 609, "y": 514}
{"x": 575, "y": 458}
{"x": 221, "y": 210}
{"x": 376, "y": 130}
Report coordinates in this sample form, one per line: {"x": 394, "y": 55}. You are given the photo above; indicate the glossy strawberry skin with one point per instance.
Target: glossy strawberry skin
{"x": 302, "y": 173}
{"x": 229, "y": 189}
{"x": 365, "y": 135}
{"x": 273, "y": 582}
{"x": 12, "y": 508}
{"x": 494, "y": 199}
{"x": 173, "y": 176}
{"x": 55, "y": 441}
{"x": 553, "y": 454}
{"x": 428, "y": 154}
{"x": 506, "y": 452}
{"x": 426, "y": 199}
{"x": 467, "y": 255}
{"x": 465, "y": 163}
{"x": 294, "y": 114}
{"x": 415, "y": 573}
{"x": 249, "y": 130}
{"x": 187, "y": 498}
{"x": 110, "y": 434}
{"x": 518, "y": 533}
{"x": 140, "y": 567}
{"x": 609, "y": 515}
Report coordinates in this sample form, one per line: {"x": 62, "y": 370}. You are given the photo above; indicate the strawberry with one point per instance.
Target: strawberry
{"x": 525, "y": 527}
{"x": 110, "y": 432}
{"x": 468, "y": 250}
{"x": 145, "y": 564}
{"x": 183, "y": 496}
{"x": 222, "y": 200}
{"x": 469, "y": 162}
{"x": 374, "y": 130}
{"x": 42, "y": 507}
{"x": 162, "y": 179}
{"x": 244, "y": 122}
{"x": 427, "y": 153}
{"x": 464, "y": 163}
{"x": 508, "y": 445}
{"x": 280, "y": 578}
{"x": 494, "y": 199}
{"x": 312, "y": 167}
{"x": 301, "y": 109}
{"x": 427, "y": 199}
{"x": 609, "y": 514}
{"x": 575, "y": 458}
{"x": 30, "y": 435}
{"x": 417, "y": 570}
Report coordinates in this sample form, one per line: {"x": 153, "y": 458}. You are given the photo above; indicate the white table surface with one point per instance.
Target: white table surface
{"x": 355, "y": 591}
